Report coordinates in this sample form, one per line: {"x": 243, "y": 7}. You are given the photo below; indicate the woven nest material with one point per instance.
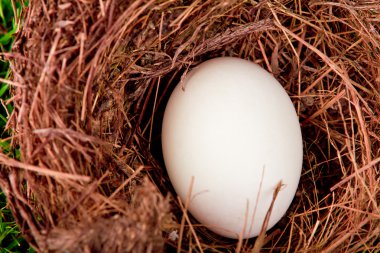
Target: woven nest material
{"x": 90, "y": 81}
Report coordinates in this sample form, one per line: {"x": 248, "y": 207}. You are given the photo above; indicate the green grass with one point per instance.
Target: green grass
{"x": 11, "y": 240}
{"x": 10, "y": 237}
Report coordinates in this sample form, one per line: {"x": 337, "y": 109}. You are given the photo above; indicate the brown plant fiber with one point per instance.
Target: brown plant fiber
{"x": 90, "y": 80}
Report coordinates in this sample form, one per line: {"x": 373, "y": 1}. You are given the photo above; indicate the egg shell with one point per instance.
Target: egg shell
{"x": 232, "y": 127}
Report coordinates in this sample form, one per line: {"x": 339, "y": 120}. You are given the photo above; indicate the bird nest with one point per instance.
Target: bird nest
{"x": 90, "y": 81}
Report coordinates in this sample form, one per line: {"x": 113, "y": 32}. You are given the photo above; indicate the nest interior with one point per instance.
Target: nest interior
{"x": 90, "y": 80}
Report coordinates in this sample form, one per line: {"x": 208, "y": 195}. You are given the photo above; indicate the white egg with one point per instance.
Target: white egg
{"x": 232, "y": 127}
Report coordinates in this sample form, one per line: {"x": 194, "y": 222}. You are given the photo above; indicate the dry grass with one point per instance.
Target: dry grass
{"x": 90, "y": 81}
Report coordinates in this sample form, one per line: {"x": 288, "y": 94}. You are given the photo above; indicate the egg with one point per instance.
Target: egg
{"x": 230, "y": 134}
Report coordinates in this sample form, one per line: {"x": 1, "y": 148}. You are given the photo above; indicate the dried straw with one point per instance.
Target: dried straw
{"x": 90, "y": 81}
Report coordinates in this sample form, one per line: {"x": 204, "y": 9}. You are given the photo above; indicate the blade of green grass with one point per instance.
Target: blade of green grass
{"x": 3, "y": 88}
